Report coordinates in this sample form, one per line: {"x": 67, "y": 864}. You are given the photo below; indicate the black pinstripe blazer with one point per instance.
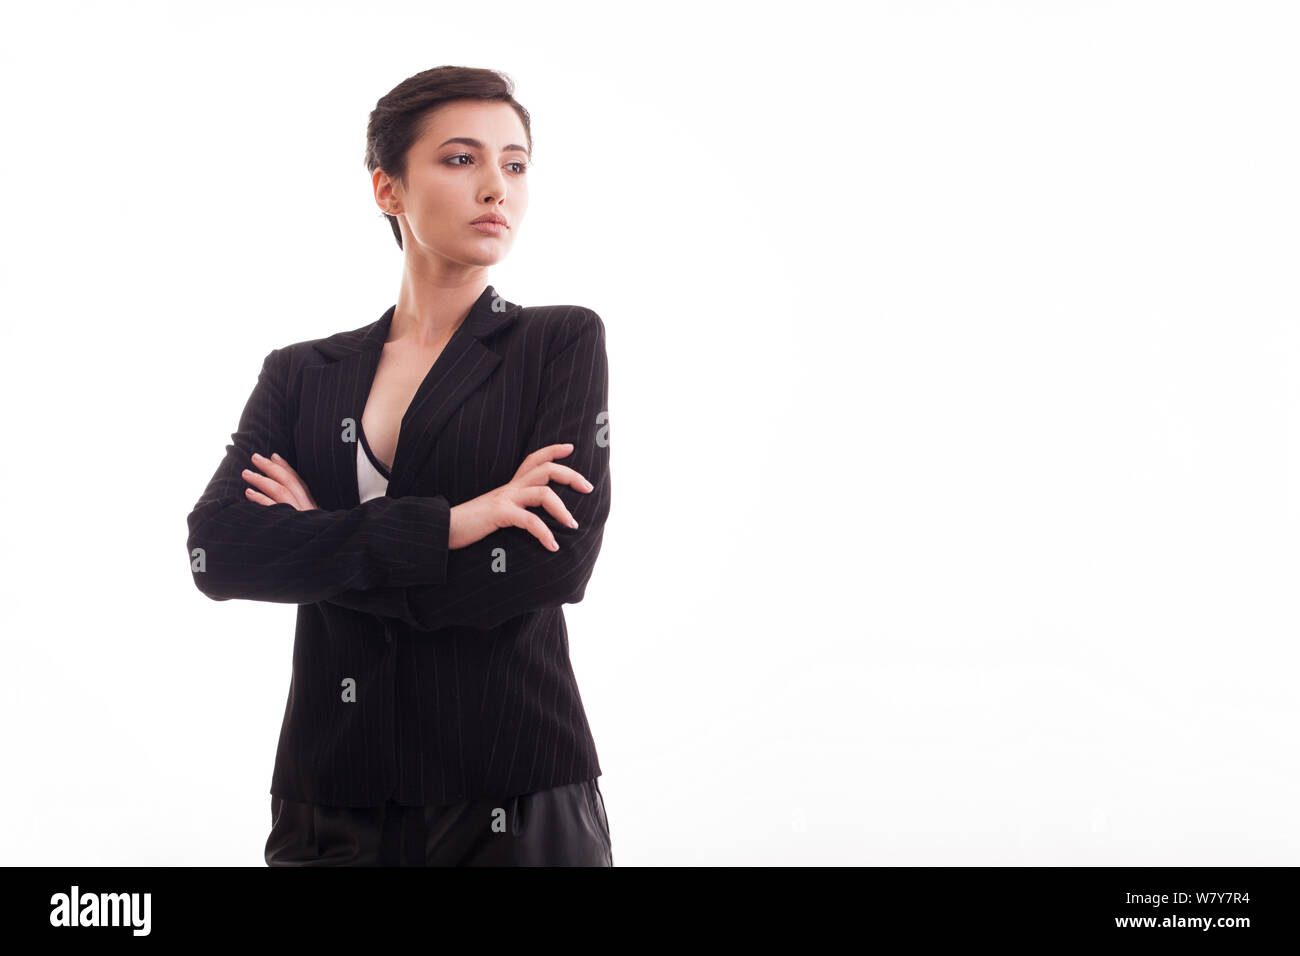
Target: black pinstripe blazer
{"x": 421, "y": 674}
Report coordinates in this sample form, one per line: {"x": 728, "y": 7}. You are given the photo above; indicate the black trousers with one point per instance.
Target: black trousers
{"x": 562, "y": 826}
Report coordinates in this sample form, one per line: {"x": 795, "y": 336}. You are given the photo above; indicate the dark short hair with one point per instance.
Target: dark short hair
{"x": 401, "y": 116}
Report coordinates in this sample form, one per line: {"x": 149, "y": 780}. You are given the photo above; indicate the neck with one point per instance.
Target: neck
{"x": 430, "y": 308}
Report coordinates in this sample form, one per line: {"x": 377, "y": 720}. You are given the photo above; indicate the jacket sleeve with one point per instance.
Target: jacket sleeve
{"x": 485, "y": 586}
{"x": 241, "y": 549}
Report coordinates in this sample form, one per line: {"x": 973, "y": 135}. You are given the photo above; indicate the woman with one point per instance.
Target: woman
{"x": 381, "y": 478}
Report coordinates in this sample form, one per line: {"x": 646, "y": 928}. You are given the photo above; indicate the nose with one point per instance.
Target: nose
{"x": 492, "y": 190}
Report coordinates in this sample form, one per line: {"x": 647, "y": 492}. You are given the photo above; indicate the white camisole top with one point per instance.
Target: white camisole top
{"x": 372, "y": 474}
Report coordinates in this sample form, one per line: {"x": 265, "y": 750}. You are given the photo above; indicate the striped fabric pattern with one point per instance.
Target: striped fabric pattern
{"x": 421, "y": 674}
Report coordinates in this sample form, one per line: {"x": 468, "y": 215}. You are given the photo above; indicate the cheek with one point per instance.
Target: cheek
{"x": 436, "y": 195}
{"x": 516, "y": 211}
{"x": 434, "y": 214}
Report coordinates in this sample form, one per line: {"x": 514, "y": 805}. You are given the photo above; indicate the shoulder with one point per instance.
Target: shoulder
{"x": 293, "y": 356}
{"x": 571, "y": 317}
{"x": 331, "y": 347}
{"x": 559, "y": 327}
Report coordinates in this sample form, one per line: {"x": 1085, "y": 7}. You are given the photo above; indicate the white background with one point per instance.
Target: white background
{"x": 953, "y": 396}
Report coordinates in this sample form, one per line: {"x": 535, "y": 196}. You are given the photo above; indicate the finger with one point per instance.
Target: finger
{"x": 543, "y": 455}
{"x": 517, "y": 500}
{"x": 280, "y": 469}
{"x": 257, "y": 496}
{"x": 543, "y": 497}
{"x": 274, "y": 490}
{"x": 563, "y": 474}
{"x": 552, "y": 503}
{"x": 300, "y": 497}
{"x": 537, "y": 528}
{"x": 268, "y": 486}
{"x": 294, "y": 480}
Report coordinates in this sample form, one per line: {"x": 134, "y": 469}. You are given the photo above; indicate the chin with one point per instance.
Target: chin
{"x": 487, "y": 253}
{"x": 477, "y": 254}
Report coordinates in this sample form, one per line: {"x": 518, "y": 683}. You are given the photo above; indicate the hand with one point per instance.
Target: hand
{"x": 283, "y": 485}
{"x": 504, "y": 507}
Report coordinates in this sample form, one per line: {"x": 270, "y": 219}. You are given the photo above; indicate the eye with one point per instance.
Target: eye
{"x": 451, "y": 161}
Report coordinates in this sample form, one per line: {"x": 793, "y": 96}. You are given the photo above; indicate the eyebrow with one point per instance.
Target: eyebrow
{"x": 468, "y": 141}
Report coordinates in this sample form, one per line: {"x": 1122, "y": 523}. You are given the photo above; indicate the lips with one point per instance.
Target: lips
{"x": 499, "y": 220}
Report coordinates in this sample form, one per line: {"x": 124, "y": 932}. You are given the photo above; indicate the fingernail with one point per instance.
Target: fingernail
{"x": 276, "y": 455}
{"x": 573, "y": 522}
{"x": 257, "y": 456}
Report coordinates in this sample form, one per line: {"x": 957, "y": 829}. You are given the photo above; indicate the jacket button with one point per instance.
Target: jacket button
{"x": 388, "y": 636}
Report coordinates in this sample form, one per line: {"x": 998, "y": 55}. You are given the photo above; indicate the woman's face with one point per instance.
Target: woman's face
{"x": 472, "y": 160}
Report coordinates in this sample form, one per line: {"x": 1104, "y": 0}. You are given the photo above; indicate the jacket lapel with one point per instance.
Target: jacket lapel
{"x": 337, "y": 391}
